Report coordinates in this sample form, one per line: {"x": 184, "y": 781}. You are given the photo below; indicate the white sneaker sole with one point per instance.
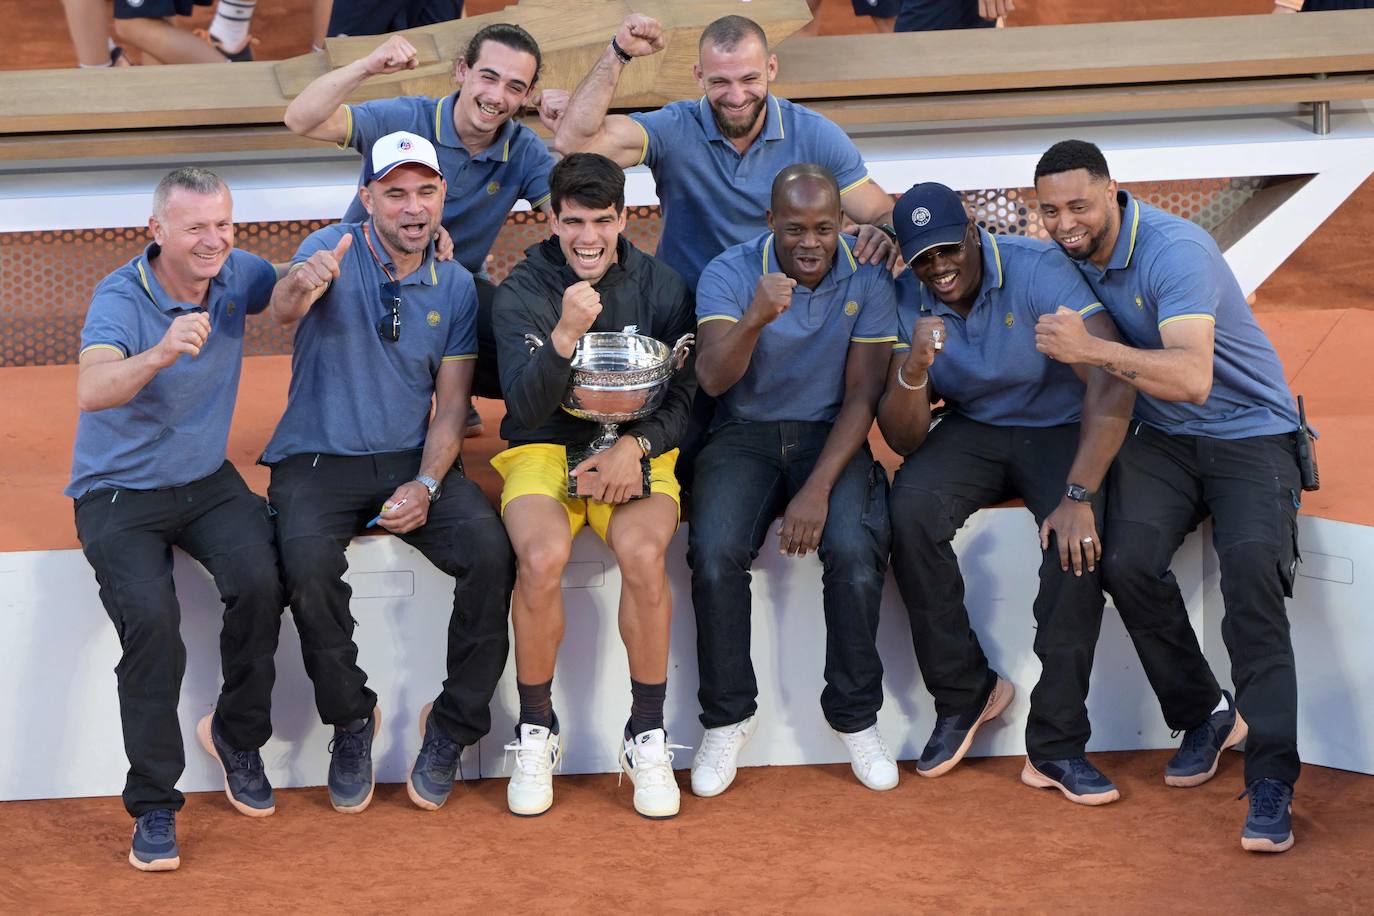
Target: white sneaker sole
{"x": 207, "y": 742}
{"x": 1238, "y": 732}
{"x": 361, "y": 806}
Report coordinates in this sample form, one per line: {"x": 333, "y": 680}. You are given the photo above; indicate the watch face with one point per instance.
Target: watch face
{"x": 1077, "y": 493}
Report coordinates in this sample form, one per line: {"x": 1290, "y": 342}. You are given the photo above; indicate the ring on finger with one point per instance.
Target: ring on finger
{"x": 1087, "y": 540}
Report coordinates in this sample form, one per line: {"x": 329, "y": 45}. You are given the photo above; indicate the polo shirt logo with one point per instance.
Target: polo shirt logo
{"x": 433, "y": 319}
{"x": 1139, "y": 303}
{"x": 493, "y": 187}
{"x": 1009, "y": 320}
{"x": 851, "y": 308}
{"x": 231, "y": 306}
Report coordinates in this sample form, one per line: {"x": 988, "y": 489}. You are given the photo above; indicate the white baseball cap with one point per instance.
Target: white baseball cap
{"x": 399, "y": 148}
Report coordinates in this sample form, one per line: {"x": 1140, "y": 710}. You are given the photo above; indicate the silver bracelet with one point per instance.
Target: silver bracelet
{"x": 901, "y": 380}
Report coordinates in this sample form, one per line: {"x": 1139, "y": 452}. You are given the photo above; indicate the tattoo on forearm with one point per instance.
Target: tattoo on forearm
{"x": 1124, "y": 373}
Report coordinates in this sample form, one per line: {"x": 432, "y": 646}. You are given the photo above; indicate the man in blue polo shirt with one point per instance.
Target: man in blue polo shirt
{"x": 967, "y": 312}
{"x": 794, "y": 336}
{"x": 1214, "y": 436}
{"x": 489, "y": 158}
{"x": 384, "y": 329}
{"x": 161, "y": 352}
{"x": 713, "y": 159}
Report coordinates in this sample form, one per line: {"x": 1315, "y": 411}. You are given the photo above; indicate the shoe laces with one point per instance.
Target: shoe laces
{"x": 531, "y": 759}
{"x": 1267, "y": 797}
{"x": 350, "y": 748}
{"x": 158, "y": 825}
{"x": 1199, "y": 738}
{"x": 248, "y": 764}
{"x": 1082, "y": 769}
{"x": 716, "y": 744}
{"x": 441, "y": 752}
{"x": 869, "y": 746}
{"x": 656, "y": 771}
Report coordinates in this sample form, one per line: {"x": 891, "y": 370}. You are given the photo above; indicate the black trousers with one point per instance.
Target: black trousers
{"x": 486, "y": 377}
{"x": 1163, "y": 487}
{"x": 128, "y": 536}
{"x": 963, "y": 466}
{"x": 322, "y": 501}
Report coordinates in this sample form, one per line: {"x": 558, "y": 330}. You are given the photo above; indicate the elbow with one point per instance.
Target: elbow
{"x": 295, "y": 121}
{"x": 709, "y": 384}
{"x": 1200, "y": 390}
{"x": 563, "y": 144}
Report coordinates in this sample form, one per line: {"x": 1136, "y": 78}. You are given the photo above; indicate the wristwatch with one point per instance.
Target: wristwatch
{"x": 431, "y": 485}
{"x": 644, "y": 445}
{"x": 1078, "y": 493}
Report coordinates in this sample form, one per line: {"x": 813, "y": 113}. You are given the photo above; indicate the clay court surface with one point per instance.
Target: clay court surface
{"x": 804, "y": 839}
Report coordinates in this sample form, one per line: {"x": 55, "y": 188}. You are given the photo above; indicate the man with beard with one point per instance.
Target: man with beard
{"x": 489, "y": 158}
{"x": 384, "y": 330}
{"x": 794, "y": 337}
{"x": 588, "y": 278}
{"x": 713, "y": 159}
{"x": 1214, "y": 436}
{"x": 1011, "y": 428}
{"x": 161, "y": 353}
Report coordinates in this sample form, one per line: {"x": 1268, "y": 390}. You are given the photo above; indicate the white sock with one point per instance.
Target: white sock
{"x": 1221, "y": 705}
{"x": 230, "y": 26}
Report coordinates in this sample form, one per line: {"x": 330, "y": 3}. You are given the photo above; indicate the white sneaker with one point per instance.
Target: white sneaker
{"x": 714, "y": 766}
{"x": 647, "y": 759}
{"x": 537, "y": 755}
{"x": 870, "y": 759}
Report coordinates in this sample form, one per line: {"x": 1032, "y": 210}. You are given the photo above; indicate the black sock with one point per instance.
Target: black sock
{"x": 536, "y": 704}
{"x": 646, "y": 706}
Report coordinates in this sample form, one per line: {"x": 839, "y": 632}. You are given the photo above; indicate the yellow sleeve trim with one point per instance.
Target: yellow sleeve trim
{"x": 460, "y": 356}
{"x": 86, "y": 350}
{"x": 536, "y": 204}
{"x": 348, "y": 128}
{"x": 701, "y": 321}
{"x": 1187, "y": 318}
{"x": 849, "y": 187}
{"x": 643, "y": 150}
{"x": 891, "y": 339}
{"x": 1088, "y": 308}
{"x": 900, "y": 346}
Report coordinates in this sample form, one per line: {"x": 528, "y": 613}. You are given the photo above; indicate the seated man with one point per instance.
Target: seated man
{"x": 967, "y": 315}
{"x": 588, "y": 277}
{"x": 159, "y": 371}
{"x": 357, "y": 434}
{"x": 795, "y": 335}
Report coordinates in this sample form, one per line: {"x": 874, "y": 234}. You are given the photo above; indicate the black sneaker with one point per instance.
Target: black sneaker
{"x": 1269, "y": 825}
{"x": 953, "y": 735}
{"x": 431, "y": 779}
{"x": 244, "y": 780}
{"x": 1079, "y": 780}
{"x": 1198, "y": 755}
{"x": 350, "y": 764}
{"x": 154, "y": 847}
{"x": 474, "y": 427}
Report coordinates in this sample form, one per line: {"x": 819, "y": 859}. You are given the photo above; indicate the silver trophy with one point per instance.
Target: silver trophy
{"x": 617, "y": 377}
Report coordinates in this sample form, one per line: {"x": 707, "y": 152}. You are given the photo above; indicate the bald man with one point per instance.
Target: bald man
{"x": 794, "y": 335}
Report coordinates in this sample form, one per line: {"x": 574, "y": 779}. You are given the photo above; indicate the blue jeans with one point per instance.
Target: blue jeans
{"x": 745, "y": 476}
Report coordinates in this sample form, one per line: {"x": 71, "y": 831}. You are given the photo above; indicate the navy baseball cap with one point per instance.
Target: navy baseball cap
{"x": 928, "y": 216}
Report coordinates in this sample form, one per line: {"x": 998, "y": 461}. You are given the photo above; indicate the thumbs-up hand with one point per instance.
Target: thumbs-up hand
{"x": 322, "y": 267}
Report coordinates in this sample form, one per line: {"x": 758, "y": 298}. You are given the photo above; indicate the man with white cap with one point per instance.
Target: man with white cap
{"x": 384, "y": 329}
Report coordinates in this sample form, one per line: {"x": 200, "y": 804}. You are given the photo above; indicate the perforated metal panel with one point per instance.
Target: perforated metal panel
{"x": 46, "y": 278}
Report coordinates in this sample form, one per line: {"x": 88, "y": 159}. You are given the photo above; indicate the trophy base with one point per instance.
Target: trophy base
{"x": 578, "y": 455}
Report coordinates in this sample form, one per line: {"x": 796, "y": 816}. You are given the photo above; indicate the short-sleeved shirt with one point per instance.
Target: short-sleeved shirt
{"x": 711, "y": 195}
{"x": 1165, "y": 269}
{"x": 989, "y": 368}
{"x": 481, "y": 189}
{"x": 176, "y": 428}
{"x": 798, "y": 365}
{"x": 353, "y": 392}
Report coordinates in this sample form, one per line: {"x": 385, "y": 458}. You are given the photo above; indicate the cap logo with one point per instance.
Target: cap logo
{"x": 403, "y": 144}
{"x": 920, "y": 216}
{"x": 433, "y": 319}
{"x": 851, "y": 308}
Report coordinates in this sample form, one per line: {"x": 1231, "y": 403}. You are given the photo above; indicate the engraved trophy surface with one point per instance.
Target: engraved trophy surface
{"x": 617, "y": 377}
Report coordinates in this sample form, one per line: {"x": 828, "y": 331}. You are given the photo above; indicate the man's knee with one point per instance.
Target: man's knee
{"x": 541, "y": 562}
{"x": 917, "y": 512}
{"x": 254, "y": 578}
{"x": 1131, "y": 559}
{"x": 309, "y": 563}
{"x": 146, "y": 612}
{"x": 715, "y": 555}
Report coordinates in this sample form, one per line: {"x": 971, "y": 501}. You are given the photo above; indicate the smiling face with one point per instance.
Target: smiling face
{"x": 406, "y": 204}
{"x": 806, "y": 227}
{"x": 736, "y": 84}
{"x": 1080, "y": 213}
{"x": 588, "y": 237}
{"x": 952, "y": 272}
{"x": 494, "y": 88}
{"x": 195, "y": 233}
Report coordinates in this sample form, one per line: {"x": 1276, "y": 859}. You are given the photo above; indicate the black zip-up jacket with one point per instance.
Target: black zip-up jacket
{"x": 638, "y": 290}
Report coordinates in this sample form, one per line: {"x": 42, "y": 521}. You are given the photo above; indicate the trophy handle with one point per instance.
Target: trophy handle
{"x": 684, "y": 343}
{"x": 534, "y": 343}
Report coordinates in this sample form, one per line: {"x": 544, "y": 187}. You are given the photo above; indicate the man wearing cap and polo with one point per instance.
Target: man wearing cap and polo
{"x": 1015, "y": 424}
{"x": 794, "y": 337}
{"x": 384, "y": 329}
{"x": 161, "y": 352}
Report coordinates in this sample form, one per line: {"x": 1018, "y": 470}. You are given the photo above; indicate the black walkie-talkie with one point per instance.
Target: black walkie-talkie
{"x": 1307, "y": 455}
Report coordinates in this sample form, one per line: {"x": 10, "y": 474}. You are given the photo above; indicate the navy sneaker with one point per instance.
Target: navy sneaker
{"x": 244, "y": 780}
{"x": 1269, "y": 825}
{"x": 953, "y": 735}
{"x": 474, "y": 426}
{"x": 1198, "y": 755}
{"x": 431, "y": 779}
{"x": 154, "y": 846}
{"x": 350, "y": 764}
{"x": 1079, "y": 780}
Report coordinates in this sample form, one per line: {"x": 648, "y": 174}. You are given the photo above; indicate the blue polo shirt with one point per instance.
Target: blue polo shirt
{"x": 1165, "y": 268}
{"x": 797, "y": 369}
{"x": 713, "y": 197}
{"x": 176, "y": 429}
{"x": 352, "y": 392}
{"x": 989, "y": 369}
{"x": 481, "y": 189}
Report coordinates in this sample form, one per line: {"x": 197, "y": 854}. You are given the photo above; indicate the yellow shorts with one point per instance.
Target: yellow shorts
{"x": 543, "y": 468}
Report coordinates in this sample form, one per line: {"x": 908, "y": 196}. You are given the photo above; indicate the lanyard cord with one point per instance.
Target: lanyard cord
{"x": 367, "y": 236}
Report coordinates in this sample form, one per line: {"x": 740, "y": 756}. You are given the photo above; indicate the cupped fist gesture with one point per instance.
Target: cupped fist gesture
{"x": 322, "y": 267}
{"x": 772, "y": 297}
{"x": 927, "y": 339}
{"x": 392, "y": 56}
{"x": 1063, "y": 336}
{"x": 551, "y": 104}
{"x": 639, "y": 36}
{"x": 187, "y": 334}
{"x": 581, "y": 305}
